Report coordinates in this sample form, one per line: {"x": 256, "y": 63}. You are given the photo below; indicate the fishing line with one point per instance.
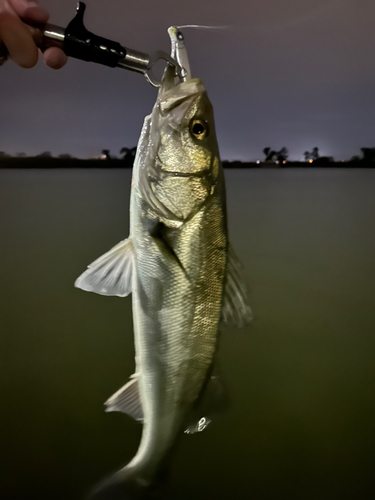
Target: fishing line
{"x": 261, "y": 29}
{"x": 204, "y": 27}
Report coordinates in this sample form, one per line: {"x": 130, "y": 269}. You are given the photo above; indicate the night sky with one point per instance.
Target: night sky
{"x": 294, "y": 73}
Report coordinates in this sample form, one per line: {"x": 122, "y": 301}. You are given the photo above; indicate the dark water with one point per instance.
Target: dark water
{"x": 301, "y": 379}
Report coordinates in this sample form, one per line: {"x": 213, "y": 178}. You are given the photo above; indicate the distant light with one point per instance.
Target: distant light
{"x": 284, "y": 161}
{"x": 310, "y": 161}
{"x": 258, "y": 161}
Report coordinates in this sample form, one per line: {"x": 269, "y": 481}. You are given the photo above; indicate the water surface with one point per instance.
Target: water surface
{"x": 301, "y": 379}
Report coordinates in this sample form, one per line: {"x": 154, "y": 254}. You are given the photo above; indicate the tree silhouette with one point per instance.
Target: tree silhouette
{"x": 368, "y": 154}
{"x": 314, "y": 155}
{"x": 279, "y": 156}
{"x": 282, "y": 155}
{"x": 106, "y": 154}
{"x": 270, "y": 154}
{"x": 65, "y": 156}
{"x": 45, "y": 154}
{"x": 128, "y": 155}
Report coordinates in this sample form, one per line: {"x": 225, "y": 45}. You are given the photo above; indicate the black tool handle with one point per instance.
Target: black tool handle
{"x": 82, "y": 44}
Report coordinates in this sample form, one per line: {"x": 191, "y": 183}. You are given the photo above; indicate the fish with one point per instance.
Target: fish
{"x": 177, "y": 264}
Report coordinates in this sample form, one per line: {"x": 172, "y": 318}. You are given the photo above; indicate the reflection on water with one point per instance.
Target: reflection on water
{"x": 301, "y": 378}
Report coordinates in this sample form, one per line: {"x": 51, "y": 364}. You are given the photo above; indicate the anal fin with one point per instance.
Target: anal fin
{"x": 127, "y": 400}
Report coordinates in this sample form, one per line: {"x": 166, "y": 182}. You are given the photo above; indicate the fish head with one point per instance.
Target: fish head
{"x": 187, "y": 138}
{"x": 185, "y": 162}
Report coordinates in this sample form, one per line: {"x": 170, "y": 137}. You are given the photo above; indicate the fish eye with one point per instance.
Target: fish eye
{"x": 199, "y": 129}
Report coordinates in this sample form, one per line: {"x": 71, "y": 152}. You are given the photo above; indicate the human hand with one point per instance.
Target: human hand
{"x": 16, "y": 37}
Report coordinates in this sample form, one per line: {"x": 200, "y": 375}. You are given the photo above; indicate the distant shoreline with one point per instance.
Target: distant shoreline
{"x": 50, "y": 163}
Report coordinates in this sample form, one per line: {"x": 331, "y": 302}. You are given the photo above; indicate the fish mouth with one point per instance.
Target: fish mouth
{"x": 169, "y": 202}
{"x": 163, "y": 170}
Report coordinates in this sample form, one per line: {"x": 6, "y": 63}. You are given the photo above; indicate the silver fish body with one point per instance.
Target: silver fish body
{"x": 180, "y": 251}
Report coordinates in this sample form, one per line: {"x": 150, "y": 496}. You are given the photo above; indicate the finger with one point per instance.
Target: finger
{"x": 30, "y": 11}
{"x": 18, "y": 40}
{"x": 54, "y": 58}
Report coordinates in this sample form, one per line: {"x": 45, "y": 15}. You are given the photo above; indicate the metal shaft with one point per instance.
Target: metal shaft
{"x": 135, "y": 61}
{"x": 53, "y": 36}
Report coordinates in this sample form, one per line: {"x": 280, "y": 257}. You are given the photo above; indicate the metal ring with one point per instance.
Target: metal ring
{"x": 156, "y": 56}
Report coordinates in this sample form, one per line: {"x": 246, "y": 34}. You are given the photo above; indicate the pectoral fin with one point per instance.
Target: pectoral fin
{"x": 236, "y": 309}
{"x": 127, "y": 400}
{"x": 111, "y": 274}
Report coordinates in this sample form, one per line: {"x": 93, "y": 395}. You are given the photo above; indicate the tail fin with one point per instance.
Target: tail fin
{"x": 125, "y": 485}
